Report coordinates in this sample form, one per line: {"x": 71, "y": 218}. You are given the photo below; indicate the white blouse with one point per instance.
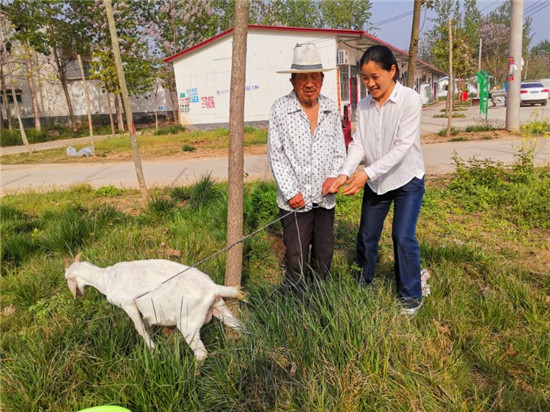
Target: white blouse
{"x": 388, "y": 138}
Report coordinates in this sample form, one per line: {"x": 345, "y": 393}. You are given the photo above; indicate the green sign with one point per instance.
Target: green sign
{"x": 483, "y": 80}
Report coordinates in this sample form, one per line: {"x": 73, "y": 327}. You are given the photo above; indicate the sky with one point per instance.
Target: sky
{"x": 398, "y": 31}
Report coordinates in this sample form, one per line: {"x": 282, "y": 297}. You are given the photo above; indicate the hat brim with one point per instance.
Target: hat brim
{"x": 305, "y": 71}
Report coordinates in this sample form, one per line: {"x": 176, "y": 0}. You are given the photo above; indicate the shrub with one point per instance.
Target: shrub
{"x": 454, "y": 132}
{"x": 108, "y": 191}
{"x": 479, "y": 128}
{"x": 188, "y": 148}
{"x": 169, "y": 130}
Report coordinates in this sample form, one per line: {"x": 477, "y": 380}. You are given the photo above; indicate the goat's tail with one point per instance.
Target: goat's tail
{"x": 234, "y": 292}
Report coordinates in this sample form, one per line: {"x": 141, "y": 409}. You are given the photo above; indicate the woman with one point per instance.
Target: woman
{"x": 387, "y": 135}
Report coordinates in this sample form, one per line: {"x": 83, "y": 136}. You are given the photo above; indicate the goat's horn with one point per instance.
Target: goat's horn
{"x": 77, "y": 257}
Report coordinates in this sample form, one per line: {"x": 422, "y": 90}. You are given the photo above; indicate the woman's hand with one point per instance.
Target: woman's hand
{"x": 355, "y": 183}
{"x": 297, "y": 201}
{"x": 332, "y": 184}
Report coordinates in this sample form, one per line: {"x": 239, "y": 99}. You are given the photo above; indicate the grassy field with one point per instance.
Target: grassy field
{"x": 480, "y": 342}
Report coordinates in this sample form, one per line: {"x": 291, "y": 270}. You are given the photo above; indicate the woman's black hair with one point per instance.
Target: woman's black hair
{"x": 383, "y": 56}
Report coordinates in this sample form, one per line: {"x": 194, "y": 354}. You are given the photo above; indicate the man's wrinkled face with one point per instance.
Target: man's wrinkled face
{"x": 307, "y": 87}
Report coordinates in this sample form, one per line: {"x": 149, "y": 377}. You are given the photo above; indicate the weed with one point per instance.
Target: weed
{"x": 485, "y": 127}
{"x": 169, "y": 130}
{"x": 484, "y": 328}
{"x": 108, "y": 191}
{"x": 188, "y": 148}
{"x": 454, "y": 132}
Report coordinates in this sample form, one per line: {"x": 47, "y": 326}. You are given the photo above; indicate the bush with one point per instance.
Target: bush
{"x": 188, "y": 148}
{"x": 454, "y": 132}
{"x": 169, "y": 130}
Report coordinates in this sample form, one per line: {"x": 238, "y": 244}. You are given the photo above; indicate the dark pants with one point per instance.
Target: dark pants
{"x": 301, "y": 231}
{"x": 407, "y": 201}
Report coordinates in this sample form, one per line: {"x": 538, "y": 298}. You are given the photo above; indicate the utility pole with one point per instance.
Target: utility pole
{"x": 88, "y": 108}
{"x": 125, "y": 99}
{"x": 234, "y": 261}
{"x": 514, "y": 66}
{"x": 450, "y": 88}
{"x": 413, "y": 47}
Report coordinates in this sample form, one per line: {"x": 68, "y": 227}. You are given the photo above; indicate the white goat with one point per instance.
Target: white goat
{"x": 186, "y": 301}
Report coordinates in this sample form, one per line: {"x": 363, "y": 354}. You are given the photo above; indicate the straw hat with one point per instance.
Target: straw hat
{"x": 306, "y": 60}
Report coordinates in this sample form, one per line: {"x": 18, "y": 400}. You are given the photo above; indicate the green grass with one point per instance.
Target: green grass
{"x": 480, "y": 342}
{"x": 172, "y": 141}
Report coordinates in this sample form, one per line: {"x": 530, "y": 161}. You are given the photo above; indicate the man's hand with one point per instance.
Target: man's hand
{"x": 297, "y": 201}
{"x": 356, "y": 183}
{"x": 332, "y": 184}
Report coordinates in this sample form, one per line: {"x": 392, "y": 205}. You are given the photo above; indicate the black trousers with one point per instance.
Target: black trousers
{"x": 303, "y": 231}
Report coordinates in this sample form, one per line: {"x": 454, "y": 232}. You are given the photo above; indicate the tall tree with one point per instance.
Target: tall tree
{"x": 67, "y": 35}
{"x": 413, "y": 47}
{"x": 28, "y": 19}
{"x": 126, "y": 97}
{"x": 233, "y": 268}
{"x": 345, "y": 14}
{"x": 134, "y": 49}
{"x": 539, "y": 61}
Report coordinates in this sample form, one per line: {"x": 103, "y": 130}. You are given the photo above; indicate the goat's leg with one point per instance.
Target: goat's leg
{"x": 191, "y": 334}
{"x": 222, "y": 312}
{"x": 134, "y": 314}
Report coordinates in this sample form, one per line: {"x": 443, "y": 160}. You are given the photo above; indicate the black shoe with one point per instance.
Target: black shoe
{"x": 411, "y": 308}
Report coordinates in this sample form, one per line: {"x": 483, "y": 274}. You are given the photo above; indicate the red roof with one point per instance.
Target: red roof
{"x": 359, "y": 33}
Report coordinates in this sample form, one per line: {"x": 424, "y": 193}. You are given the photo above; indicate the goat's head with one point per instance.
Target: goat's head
{"x": 75, "y": 283}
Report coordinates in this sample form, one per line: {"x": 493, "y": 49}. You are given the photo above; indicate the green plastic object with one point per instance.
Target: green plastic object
{"x": 483, "y": 80}
{"x": 106, "y": 408}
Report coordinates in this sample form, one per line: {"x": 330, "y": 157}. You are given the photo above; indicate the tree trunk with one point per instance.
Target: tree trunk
{"x": 110, "y": 106}
{"x": 175, "y": 106}
{"x": 30, "y": 81}
{"x": 62, "y": 76}
{"x": 126, "y": 99}
{"x": 233, "y": 267}
{"x": 118, "y": 109}
{"x": 88, "y": 108}
{"x": 413, "y": 47}
{"x": 5, "y": 100}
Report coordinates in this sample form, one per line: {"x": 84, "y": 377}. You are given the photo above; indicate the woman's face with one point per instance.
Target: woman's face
{"x": 379, "y": 82}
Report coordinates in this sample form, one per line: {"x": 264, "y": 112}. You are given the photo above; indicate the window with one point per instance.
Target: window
{"x": 344, "y": 82}
{"x": 10, "y": 96}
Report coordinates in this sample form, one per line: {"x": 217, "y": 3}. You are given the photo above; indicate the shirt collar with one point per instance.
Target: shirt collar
{"x": 394, "y": 96}
{"x": 295, "y": 106}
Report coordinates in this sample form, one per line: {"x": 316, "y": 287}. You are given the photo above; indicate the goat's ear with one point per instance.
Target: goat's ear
{"x": 77, "y": 257}
{"x": 67, "y": 263}
{"x": 72, "y": 286}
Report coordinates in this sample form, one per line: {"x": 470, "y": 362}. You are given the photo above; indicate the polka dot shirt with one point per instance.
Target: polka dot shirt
{"x": 299, "y": 161}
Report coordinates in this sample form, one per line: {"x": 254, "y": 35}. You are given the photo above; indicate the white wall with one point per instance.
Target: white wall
{"x": 206, "y": 74}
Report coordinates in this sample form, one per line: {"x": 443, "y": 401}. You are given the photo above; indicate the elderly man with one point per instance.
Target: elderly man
{"x": 306, "y": 150}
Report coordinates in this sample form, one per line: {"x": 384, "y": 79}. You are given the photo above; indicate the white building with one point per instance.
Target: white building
{"x": 203, "y": 72}
{"x": 52, "y": 103}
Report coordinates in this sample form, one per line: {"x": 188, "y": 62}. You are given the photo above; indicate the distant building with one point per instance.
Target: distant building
{"x": 203, "y": 72}
{"x": 51, "y": 98}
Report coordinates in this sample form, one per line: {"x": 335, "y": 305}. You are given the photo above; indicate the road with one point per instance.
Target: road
{"x": 177, "y": 172}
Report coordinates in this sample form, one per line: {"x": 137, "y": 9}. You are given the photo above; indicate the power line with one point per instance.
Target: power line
{"x": 542, "y": 6}
{"x": 532, "y": 6}
{"x": 400, "y": 16}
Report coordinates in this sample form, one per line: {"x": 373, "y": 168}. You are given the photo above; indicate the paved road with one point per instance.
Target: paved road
{"x": 438, "y": 159}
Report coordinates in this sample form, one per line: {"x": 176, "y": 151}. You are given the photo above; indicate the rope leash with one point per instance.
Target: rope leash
{"x": 225, "y": 249}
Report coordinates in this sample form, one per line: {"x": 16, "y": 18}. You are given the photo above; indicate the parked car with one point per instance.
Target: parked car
{"x": 533, "y": 93}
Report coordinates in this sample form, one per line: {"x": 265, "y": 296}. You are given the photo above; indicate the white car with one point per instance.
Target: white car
{"x": 533, "y": 93}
